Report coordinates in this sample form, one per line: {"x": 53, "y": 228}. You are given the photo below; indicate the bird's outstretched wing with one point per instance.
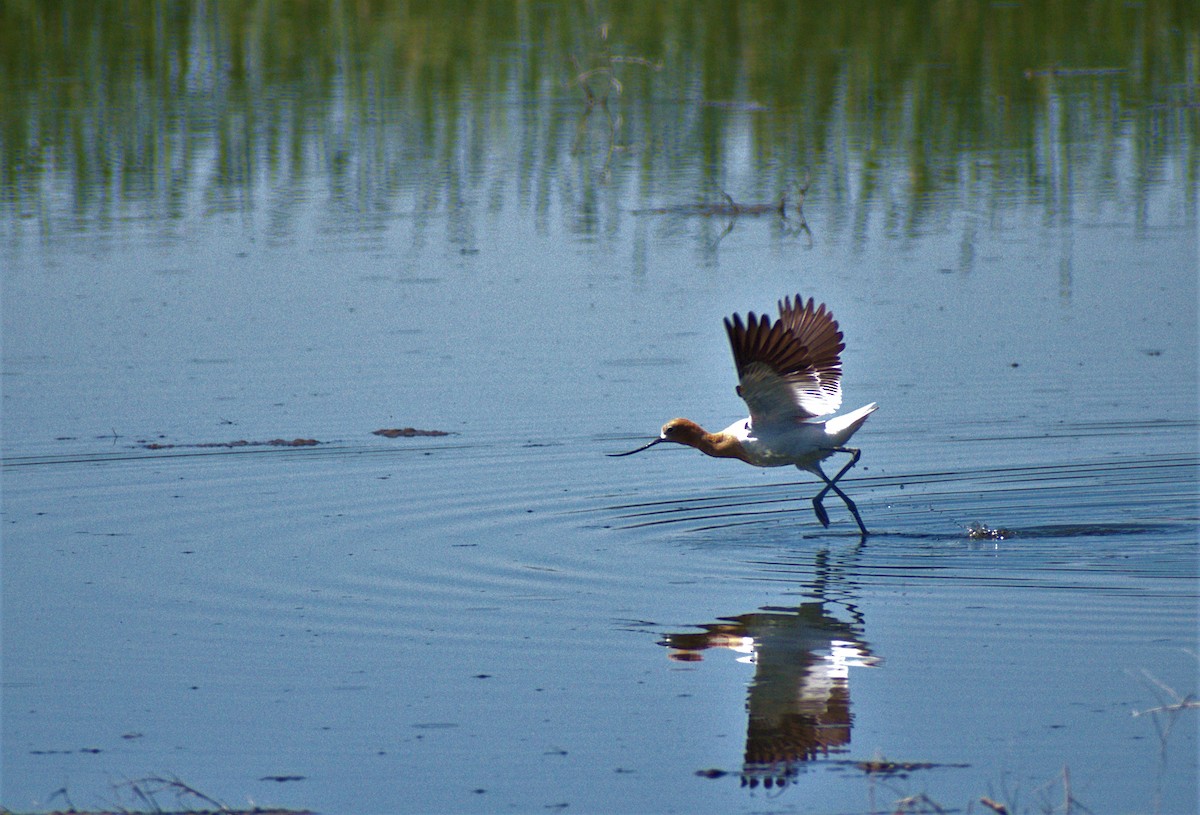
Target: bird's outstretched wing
{"x": 789, "y": 369}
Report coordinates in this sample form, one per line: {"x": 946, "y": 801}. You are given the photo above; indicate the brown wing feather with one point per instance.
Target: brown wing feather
{"x": 814, "y": 327}
{"x": 788, "y": 369}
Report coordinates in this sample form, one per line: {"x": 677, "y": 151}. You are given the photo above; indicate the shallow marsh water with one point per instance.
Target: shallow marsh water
{"x": 406, "y": 229}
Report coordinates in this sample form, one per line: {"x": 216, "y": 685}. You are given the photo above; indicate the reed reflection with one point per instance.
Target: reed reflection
{"x": 392, "y": 109}
{"x": 798, "y": 703}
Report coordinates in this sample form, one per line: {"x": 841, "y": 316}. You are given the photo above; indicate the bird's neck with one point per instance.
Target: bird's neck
{"x": 717, "y": 445}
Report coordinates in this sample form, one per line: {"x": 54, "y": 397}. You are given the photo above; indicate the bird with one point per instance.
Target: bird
{"x": 790, "y": 375}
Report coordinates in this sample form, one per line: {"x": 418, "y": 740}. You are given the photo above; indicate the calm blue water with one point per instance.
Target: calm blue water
{"x": 505, "y": 620}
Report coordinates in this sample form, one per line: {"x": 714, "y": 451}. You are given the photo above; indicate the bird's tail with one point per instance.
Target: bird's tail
{"x": 844, "y": 426}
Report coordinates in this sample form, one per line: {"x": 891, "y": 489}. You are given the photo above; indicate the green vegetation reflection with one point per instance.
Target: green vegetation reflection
{"x": 416, "y": 107}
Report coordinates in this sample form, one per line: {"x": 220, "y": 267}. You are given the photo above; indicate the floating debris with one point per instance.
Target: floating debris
{"x": 883, "y": 767}
{"x": 734, "y": 105}
{"x": 793, "y": 219}
{"x": 1055, "y": 70}
{"x": 899, "y": 769}
{"x": 408, "y": 432}
{"x": 727, "y": 208}
{"x": 233, "y": 444}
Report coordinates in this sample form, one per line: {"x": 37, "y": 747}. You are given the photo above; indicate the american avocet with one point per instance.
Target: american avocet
{"x": 789, "y": 373}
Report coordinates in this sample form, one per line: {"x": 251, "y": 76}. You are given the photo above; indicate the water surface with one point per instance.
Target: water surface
{"x": 254, "y": 223}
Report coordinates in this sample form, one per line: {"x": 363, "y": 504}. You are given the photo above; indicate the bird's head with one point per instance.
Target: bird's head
{"x": 680, "y": 431}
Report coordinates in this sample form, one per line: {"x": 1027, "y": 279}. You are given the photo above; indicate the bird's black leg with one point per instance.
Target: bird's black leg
{"x": 831, "y": 484}
{"x": 819, "y": 508}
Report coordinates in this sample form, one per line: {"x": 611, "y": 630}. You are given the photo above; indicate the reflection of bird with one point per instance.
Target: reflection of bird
{"x": 789, "y": 373}
{"x": 799, "y": 701}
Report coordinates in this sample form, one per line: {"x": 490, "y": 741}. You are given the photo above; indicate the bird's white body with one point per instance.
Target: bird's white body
{"x": 804, "y": 444}
{"x": 789, "y": 374}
